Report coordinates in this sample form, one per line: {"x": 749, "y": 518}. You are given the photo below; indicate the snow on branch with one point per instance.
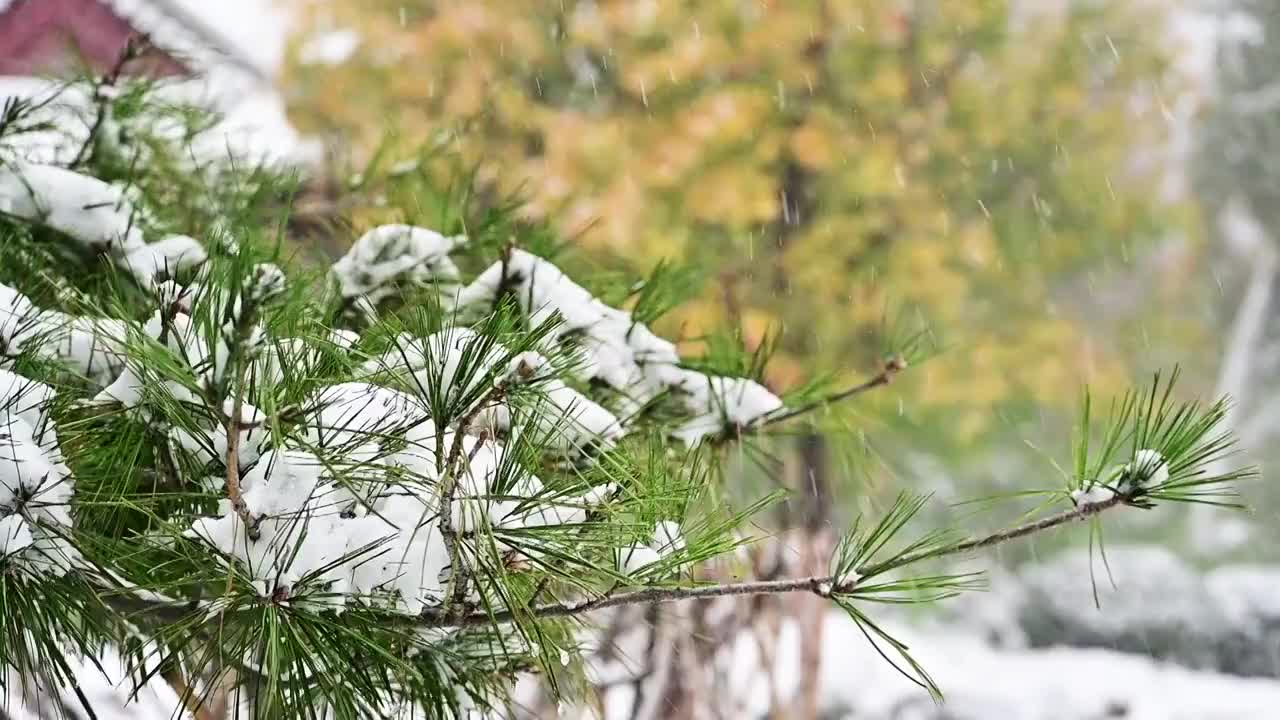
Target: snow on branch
{"x": 363, "y": 536}
{"x": 163, "y": 259}
{"x": 35, "y": 483}
{"x": 100, "y": 217}
{"x": 90, "y": 346}
{"x": 619, "y": 351}
{"x": 668, "y": 540}
{"x": 93, "y": 213}
{"x": 392, "y": 254}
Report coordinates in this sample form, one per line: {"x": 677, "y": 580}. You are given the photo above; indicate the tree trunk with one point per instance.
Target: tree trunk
{"x": 815, "y": 548}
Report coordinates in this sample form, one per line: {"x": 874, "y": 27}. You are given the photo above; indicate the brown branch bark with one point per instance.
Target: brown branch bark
{"x": 188, "y": 695}
{"x": 233, "y": 469}
{"x": 456, "y": 592}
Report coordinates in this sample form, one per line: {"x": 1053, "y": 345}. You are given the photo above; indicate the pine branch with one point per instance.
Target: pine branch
{"x": 821, "y": 585}
{"x": 825, "y": 586}
{"x": 890, "y": 369}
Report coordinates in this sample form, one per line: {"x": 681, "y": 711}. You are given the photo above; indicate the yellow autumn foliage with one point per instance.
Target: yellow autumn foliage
{"x": 857, "y": 165}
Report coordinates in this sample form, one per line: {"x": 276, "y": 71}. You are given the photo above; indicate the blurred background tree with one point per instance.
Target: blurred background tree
{"x": 850, "y": 173}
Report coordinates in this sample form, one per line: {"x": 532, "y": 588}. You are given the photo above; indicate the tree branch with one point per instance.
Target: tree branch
{"x": 456, "y": 592}
{"x": 233, "y": 470}
{"x": 218, "y": 390}
{"x": 891, "y": 368}
{"x": 821, "y": 585}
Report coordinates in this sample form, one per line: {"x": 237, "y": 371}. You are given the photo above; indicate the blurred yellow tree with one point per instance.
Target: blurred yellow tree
{"x": 846, "y": 167}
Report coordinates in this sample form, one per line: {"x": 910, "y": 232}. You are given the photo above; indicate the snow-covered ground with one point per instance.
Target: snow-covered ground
{"x": 1003, "y": 654}
{"x": 981, "y": 682}
{"x": 1048, "y": 684}
{"x": 109, "y": 692}
{"x": 1164, "y": 642}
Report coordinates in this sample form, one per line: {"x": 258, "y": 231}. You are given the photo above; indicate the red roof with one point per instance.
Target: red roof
{"x": 54, "y": 37}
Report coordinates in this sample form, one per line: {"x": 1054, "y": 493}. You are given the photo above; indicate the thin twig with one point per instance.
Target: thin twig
{"x": 1080, "y": 512}
{"x": 504, "y": 280}
{"x": 243, "y": 329}
{"x": 890, "y": 369}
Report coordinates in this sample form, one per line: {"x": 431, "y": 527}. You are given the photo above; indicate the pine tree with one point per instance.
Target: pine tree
{"x": 388, "y": 487}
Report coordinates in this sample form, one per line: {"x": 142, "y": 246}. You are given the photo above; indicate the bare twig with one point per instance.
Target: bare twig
{"x": 217, "y": 392}
{"x": 504, "y": 281}
{"x": 1080, "y": 512}
{"x": 892, "y": 366}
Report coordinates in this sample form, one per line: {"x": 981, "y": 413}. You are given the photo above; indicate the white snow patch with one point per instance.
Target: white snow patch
{"x": 1093, "y": 495}
{"x": 93, "y": 213}
{"x": 636, "y": 558}
{"x": 164, "y": 258}
{"x": 351, "y": 414}
{"x": 1147, "y": 469}
{"x": 108, "y": 682}
{"x": 616, "y": 347}
{"x": 391, "y": 253}
{"x": 719, "y": 404}
{"x": 622, "y": 353}
{"x": 35, "y": 484}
